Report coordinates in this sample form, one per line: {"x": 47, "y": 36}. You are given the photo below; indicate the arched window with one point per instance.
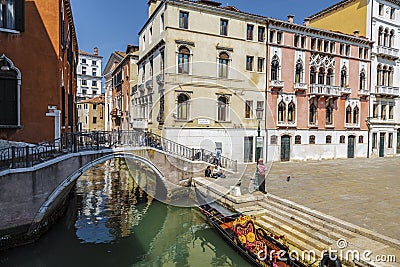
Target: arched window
{"x": 343, "y": 77}
{"x": 312, "y": 139}
{"x": 379, "y": 77}
{"x": 281, "y": 112}
{"x": 297, "y": 139}
{"x": 328, "y": 139}
{"x": 391, "y": 38}
{"x": 183, "y": 107}
{"x": 329, "y": 113}
{"x": 321, "y": 76}
{"x": 275, "y": 69}
{"x": 356, "y": 113}
{"x": 386, "y": 37}
{"x": 299, "y": 72}
{"x": 10, "y": 81}
{"x": 329, "y": 77}
{"x": 385, "y": 76}
{"x": 223, "y": 65}
{"x": 362, "y": 80}
{"x": 342, "y": 139}
{"x": 380, "y": 36}
{"x": 291, "y": 112}
{"x": 183, "y": 60}
{"x": 313, "y": 78}
{"x": 390, "y": 76}
{"x": 313, "y": 113}
{"x": 361, "y": 139}
{"x": 223, "y": 108}
{"x": 348, "y": 114}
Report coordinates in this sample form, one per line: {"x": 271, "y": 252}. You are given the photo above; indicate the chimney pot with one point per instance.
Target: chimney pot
{"x": 306, "y": 22}
{"x": 290, "y": 18}
{"x": 356, "y": 33}
{"x": 96, "y": 51}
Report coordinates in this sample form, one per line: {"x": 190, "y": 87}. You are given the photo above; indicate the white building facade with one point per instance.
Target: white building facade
{"x": 201, "y": 83}
{"x": 89, "y": 78}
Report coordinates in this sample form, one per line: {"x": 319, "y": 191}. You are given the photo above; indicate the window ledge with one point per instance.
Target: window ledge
{"x": 9, "y": 30}
{"x": 223, "y": 121}
{"x": 329, "y": 126}
{"x": 11, "y": 126}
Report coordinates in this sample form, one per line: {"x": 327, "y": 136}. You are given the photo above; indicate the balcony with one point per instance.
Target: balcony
{"x": 288, "y": 124}
{"x": 300, "y": 86}
{"x": 352, "y": 125}
{"x": 387, "y": 52}
{"x": 345, "y": 90}
{"x": 387, "y": 91}
{"x": 160, "y": 79}
{"x": 275, "y": 84}
{"x": 325, "y": 90}
{"x": 363, "y": 93}
{"x": 149, "y": 84}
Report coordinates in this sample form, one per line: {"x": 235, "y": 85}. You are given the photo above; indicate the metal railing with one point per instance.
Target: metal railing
{"x": 28, "y": 156}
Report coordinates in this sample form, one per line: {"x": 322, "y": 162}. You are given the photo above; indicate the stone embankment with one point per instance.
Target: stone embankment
{"x": 307, "y": 232}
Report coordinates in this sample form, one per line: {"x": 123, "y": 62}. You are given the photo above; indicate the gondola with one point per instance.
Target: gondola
{"x": 255, "y": 244}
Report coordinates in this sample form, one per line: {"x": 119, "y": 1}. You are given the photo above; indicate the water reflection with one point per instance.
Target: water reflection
{"x": 111, "y": 221}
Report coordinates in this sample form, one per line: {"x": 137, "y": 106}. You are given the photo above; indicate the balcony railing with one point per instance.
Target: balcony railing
{"x": 286, "y": 124}
{"x": 363, "y": 92}
{"x": 149, "y": 84}
{"x": 387, "y": 90}
{"x": 300, "y": 86}
{"x": 326, "y": 90}
{"x": 390, "y": 52}
{"x": 276, "y": 84}
{"x": 345, "y": 90}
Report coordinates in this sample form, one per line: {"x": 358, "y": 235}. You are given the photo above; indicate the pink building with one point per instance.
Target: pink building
{"x": 317, "y": 93}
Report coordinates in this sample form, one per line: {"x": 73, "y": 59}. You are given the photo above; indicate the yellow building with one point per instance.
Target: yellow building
{"x": 91, "y": 114}
{"x": 379, "y": 21}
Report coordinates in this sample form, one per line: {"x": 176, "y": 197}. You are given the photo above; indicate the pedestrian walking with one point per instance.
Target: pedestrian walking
{"x": 261, "y": 171}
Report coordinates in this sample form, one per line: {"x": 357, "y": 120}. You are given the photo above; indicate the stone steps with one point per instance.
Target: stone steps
{"x": 332, "y": 231}
{"x": 294, "y": 243}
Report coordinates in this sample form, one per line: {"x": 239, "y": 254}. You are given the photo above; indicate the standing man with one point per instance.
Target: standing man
{"x": 261, "y": 171}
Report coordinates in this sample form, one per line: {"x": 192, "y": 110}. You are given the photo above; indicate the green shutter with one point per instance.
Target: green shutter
{"x": 20, "y": 15}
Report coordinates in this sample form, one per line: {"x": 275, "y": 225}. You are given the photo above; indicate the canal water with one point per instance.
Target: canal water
{"x": 111, "y": 221}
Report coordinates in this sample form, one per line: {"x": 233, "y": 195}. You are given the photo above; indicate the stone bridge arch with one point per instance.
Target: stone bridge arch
{"x": 54, "y": 201}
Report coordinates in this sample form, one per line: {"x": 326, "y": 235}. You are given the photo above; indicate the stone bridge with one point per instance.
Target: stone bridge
{"x": 35, "y": 181}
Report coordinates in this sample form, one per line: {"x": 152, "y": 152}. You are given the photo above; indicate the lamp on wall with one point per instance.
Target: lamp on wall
{"x": 4, "y": 66}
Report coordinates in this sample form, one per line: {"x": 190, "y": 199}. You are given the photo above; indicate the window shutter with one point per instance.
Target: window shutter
{"x": 20, "y": 15}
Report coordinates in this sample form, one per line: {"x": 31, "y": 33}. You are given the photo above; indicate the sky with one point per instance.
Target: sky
{"x": 111, "y": 25}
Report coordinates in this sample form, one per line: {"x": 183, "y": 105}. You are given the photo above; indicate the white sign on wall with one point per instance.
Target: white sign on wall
{"x": 203, "y": 122}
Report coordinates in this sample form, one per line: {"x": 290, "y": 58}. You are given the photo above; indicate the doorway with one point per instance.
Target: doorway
{"x": 285, "y": 148}
{"x": 382, "y": 145}
{"x": 248, "y": 149}
{"x": 350, "y": 146}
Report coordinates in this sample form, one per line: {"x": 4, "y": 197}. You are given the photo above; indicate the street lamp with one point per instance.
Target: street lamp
{"x": 260, "y": 140}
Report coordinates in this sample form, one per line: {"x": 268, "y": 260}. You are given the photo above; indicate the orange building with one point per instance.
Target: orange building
{"x": 120, "y": 74}
{"x": 38, "y": 65}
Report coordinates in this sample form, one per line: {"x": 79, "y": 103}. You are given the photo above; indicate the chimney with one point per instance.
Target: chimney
{"x": 356, "y": 33}
{"x": 96, "y": 51}
{"x": 153, "y": 4}
{"x": 306, "y": 22}
{"x": 290, "y": 18}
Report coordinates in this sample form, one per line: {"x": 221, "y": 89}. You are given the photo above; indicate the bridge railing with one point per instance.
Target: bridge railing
{"x": 30, "y": 155}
